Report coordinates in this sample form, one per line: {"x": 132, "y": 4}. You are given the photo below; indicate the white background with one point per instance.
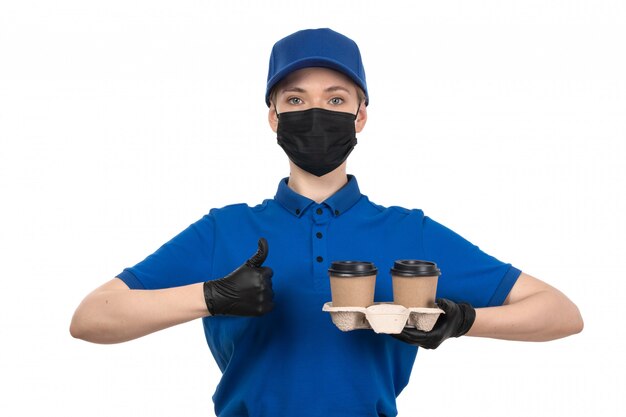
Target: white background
{"x": 122, "y": 122}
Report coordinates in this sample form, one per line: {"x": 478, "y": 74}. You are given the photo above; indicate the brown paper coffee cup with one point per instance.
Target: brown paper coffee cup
{"x": 415, "y": 283}
{"x": 352, "y": 283}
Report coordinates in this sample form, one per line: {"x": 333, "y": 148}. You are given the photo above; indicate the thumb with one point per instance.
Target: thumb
{"x": 259, "y": 257}
{"x": 445, "y": 304}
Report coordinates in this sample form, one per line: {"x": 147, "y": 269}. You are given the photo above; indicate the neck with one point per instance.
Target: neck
{"x": 316, "y": 188}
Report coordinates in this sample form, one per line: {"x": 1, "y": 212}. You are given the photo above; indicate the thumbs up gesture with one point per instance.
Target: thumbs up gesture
{"x": 247, "y": 291}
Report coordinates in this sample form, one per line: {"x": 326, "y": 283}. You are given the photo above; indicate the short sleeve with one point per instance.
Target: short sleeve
{"x": 467, "y": 273}
{"x": 185, "y": 259}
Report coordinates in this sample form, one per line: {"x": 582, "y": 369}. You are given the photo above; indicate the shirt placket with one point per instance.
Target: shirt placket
{"x": 321, "y": 219}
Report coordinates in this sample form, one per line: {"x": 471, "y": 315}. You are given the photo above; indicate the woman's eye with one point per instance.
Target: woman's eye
{"x": 294, "y": 100}
{"x": 336, "y": 100}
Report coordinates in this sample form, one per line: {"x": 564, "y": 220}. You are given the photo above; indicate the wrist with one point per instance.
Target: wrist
{"x": 469, "y": 316}
{"x": 207, "y": 288}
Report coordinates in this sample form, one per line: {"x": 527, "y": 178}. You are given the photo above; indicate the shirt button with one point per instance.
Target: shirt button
{"x": 319, "y": 211}
{"x": 319, "y": 235}
{"x": 297, "y": 211}
{"x": 336, "y": 212}
{"x": 320, "y": 259}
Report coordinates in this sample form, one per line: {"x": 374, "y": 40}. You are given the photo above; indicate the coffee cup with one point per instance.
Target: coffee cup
{"x": 414, "y": 283}
{"x": 352, "y": 283}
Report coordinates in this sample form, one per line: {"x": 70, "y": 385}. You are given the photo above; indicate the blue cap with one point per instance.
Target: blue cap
{"x": 315, "y": 48}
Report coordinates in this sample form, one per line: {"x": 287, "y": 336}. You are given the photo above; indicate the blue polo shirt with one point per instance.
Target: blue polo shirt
{"x": 293, "y": 361}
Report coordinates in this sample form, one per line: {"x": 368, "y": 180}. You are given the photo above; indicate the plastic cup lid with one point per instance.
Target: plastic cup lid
{"x": 415, "y": 268}
{"x": 352, "y": 269}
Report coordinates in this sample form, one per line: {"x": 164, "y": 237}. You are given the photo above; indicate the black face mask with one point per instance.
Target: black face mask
{"x": 317, "y": 140}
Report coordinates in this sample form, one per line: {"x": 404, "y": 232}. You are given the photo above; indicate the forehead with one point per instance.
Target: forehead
{"x": 316, "y": 76}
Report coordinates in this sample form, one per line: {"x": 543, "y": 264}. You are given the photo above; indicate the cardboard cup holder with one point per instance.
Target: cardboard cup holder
{"x": 383, "y": 317}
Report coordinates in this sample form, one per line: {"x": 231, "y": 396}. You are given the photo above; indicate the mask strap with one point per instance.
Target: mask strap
{"x": 357, "y": 110}
{"x": 276, "y": 111}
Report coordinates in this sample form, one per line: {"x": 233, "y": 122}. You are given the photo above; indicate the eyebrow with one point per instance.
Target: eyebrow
{"x": 293, "y": 90}
{"x": 337, "y": 88}
{"x": 330, "y": 89}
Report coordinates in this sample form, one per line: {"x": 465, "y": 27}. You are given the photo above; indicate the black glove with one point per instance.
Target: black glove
{"x": 456, "y": 321}
{"x": 247, "y": 291}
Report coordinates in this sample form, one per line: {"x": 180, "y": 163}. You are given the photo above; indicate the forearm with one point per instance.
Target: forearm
{"x": 118, "y": 315}
{"x": 543, "y": 316}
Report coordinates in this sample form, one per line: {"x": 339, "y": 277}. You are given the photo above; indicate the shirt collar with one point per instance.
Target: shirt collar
{"x": 339, "y": 202}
